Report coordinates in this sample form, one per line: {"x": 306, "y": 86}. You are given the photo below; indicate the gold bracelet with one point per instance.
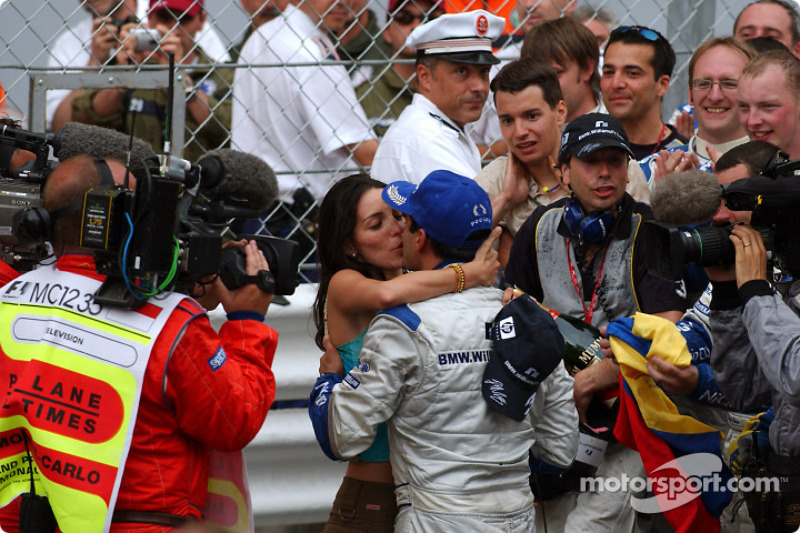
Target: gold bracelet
{"x": 459, "y": 275}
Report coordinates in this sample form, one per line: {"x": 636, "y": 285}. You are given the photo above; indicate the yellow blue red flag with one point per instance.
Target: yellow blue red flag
{"x": 682, "y": 456}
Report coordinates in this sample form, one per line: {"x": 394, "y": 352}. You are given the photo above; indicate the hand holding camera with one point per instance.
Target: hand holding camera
{"x": 249, "y": 297}
{"x": 751, "y": 254}
{"x": 105, "y": 37}
{"x": 140, "y": 43}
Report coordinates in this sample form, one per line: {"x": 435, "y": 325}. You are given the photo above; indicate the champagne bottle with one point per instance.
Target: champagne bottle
{"x": 581, "y": 341}
{"x": 582, "y": 349}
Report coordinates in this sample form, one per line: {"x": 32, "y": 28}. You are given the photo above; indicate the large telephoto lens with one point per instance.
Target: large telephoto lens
{"x": 670, "y": 249}
{"x": 708, "y": 246}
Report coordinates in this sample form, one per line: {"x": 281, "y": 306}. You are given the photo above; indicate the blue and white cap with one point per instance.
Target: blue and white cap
{"x": 459, "y": 37}
{"x": 527, "y": 348}
{"x": 452, "y": 209}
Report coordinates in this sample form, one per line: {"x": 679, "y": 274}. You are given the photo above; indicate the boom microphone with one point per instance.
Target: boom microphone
{"x": 685, "y": 198}
{"x": 101, "y": 143}
{"x": 237, "y": 179}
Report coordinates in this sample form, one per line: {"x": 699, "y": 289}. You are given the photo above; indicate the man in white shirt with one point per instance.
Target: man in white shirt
{"x": 454, "y": 57}
{"x": 88, "y": 43}
{"x": 305, "y": 121}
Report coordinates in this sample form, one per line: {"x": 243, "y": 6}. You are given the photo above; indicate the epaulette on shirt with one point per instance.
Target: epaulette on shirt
{"x": 404, "y": 314}
{"x": 445, "y": 123}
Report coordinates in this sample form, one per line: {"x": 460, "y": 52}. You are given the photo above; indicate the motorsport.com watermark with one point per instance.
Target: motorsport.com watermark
{"x": 682, "y": 481}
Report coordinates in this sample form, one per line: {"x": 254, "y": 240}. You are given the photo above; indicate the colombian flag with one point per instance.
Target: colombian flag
{"x": 681, "y": 455}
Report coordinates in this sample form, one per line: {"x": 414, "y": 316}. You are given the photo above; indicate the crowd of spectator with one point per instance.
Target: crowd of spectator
{"x": 546, "y": 119}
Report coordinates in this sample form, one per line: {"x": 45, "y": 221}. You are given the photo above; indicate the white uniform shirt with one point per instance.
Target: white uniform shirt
{"x": 423, "y": 140}
{"x": 296, "y": 119}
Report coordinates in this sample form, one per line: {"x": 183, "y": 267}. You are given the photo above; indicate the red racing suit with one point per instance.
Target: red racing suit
{"x": 186, "y": 408}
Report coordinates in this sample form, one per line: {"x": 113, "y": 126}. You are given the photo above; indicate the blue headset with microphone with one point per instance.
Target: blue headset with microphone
{"x": 590, "y": 229}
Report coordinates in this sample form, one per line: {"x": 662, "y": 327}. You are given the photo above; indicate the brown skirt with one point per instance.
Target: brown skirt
{"x": 362, "y": 507}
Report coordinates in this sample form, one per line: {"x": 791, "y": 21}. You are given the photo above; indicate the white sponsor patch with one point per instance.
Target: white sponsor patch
{"x": 352, "y": 381}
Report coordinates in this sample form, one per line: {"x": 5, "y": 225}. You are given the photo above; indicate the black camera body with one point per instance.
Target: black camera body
{"x": 233, "y": 274}
{"x": 166, "y": 236}
{"x": 774, "y": 199}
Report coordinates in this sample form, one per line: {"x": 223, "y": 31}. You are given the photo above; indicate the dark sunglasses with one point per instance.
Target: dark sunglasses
{"x": 645, "y": 33}
{"x": 167, "y": 16}
{"x": 405, "y": 17}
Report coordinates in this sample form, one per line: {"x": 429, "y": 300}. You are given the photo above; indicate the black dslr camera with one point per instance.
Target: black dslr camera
{"x": 774, "y": 198}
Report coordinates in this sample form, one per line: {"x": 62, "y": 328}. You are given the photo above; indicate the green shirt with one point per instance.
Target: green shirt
{"x": 383, "y": 98}
{"x": 151, "y": 105}
{"x": 367, "y": 44}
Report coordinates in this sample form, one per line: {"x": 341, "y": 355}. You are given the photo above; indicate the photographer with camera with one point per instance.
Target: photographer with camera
{"x": 755, "y": 331}
{"x": 580, "y": 256}
{"x": 150, "y": 391}
{"x": 91, "y": 43}
{"x": 173, "y": 25}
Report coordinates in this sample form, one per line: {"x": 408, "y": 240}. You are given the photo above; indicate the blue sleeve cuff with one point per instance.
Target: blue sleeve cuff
{"x": 318, "y": 411}
{"x": 540, "y": 467}
{"x": 707, "y": 392}
{"x": 246, "y": 315}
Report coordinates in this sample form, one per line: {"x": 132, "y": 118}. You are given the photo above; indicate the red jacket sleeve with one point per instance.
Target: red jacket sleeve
{"x": 221, "y": 386}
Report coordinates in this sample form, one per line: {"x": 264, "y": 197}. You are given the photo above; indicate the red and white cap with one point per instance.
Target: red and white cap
{"x": 459, "y": 37}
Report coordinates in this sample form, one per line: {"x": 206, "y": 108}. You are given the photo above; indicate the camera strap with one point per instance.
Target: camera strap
{"x": 35, "y": 513}
{"x": 30, "y": 460}
{"x": 105, "y": 172}
{"x": 264, "y": 280}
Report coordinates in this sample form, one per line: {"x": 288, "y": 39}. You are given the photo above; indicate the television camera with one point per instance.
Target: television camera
{"x": 20, "y": 187}
{"x": 127, "y": 232}
{"x": 774, "y": 199}
{"x": 166, "y": 235}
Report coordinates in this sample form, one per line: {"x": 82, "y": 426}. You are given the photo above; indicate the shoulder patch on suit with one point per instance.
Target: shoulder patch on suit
{"x": 405, "y": 315}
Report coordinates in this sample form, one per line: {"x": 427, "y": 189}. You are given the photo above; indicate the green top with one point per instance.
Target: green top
{"x": 367, "y": 44}
{"x": 151, "y": 106}
{"x": 383, "y": 98}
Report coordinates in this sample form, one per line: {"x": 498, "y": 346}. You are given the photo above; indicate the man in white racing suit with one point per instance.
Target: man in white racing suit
{"x": 459, "y": 464}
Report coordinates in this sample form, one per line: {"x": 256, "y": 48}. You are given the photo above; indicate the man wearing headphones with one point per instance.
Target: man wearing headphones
{"x": 148, "y": 391}
{"x": 578, "y": 256}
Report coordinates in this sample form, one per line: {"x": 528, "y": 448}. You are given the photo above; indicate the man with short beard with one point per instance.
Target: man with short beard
{"x": 454, "y": 57}
{"x": 582, "y": 257}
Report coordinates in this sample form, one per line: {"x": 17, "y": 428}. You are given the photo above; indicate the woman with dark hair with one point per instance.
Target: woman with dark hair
{"x": 360, "y": 249}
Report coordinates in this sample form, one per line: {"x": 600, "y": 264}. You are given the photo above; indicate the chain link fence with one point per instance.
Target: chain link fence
{"x": 47, "y": 53}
